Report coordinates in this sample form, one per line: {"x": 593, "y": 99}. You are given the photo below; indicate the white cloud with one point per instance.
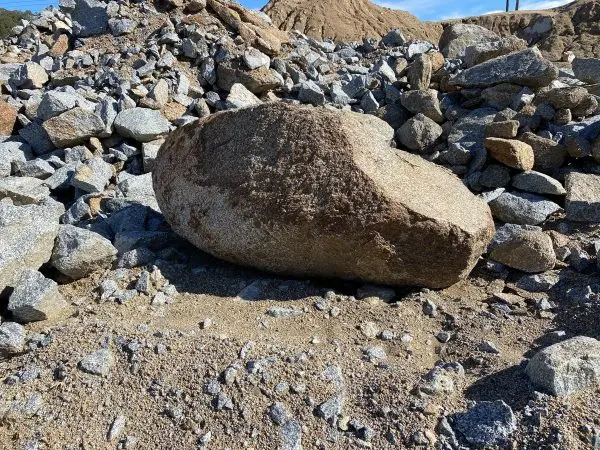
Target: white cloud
{"x": 543, "y": 4}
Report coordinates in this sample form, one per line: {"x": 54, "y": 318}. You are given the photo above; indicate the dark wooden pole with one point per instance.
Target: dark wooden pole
{"x": 517, "y": 5}
{"x": 507, "y": 5}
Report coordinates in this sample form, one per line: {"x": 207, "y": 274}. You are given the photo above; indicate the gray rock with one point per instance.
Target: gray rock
{"x": 484, "y": 51}
{"x": 73, "y": 127}
{"x": 583, "y": 197}
{"x": 254, "y": 59}
{"x": 538, "y": 283}
{"x": 35, "y": 298}
{"x": 135, "y": 258}
{"x": 37, "y": 137}
{"x": 97, "y": 363}
{"x": 240, "y": 97}
{"x": 77, "y": 252}
{"x": 141, "y": 124}
{"x": 12, "y": 338}
{"x": 368, "y": 103}
{"x": 29, "y": 76}
{"x": 419, "y": 72}
{"x": 54, "y": 103}
{"x": 311, "y": 93}
{"x": 525, "y": 68}
{"x": 469, "y": 131}
{"x": 37, "y": 168}
{"x": 27, "y": 236}
{"x": 331, "y": 409}
{"x": 139, "y": 189}
{"x": 494, "y": 176}
{"x": 567, "y": 367}
{"x": 23, "y": 190}
{"x": 116, "y": 428}
{"x": 93, "y": 175}
{"x": 523, "y": 248}
{"x": 394, "y": 38}
{"x": 522, "y": 208}
{"x": 291, "y": 436}
{"x": 486, "y": 424}
{"x": 538, "y": 183}
{"x": 89, "y": 18}
{"x": 119, "y": 27}
{"x": 13, "y": 152}
{"x": 149, "y": 152}
{"x": 419, "y": 133}
{"x": 425, "y": 102}
{"x": 548, "y": 154}
{"x": 457, "y": 37}
{"x": 278, "y": 413}
{"x": 587, "y": 69}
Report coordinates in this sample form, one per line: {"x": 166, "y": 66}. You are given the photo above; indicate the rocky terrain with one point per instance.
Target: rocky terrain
{"x": 215, "y": 234}
{"x": 571, "y": 28}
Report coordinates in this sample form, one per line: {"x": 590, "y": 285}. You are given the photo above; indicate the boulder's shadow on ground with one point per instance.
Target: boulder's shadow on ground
{"x": 204, "y": 274}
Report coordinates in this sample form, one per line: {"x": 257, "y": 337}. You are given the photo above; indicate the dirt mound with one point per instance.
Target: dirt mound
{"x": 347, "y": 20}
{"x": 574, "y": 27}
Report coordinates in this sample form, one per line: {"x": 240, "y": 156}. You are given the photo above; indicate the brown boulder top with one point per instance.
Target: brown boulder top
{"x": 312, "y": 192}
{"x": 347, "y": 20}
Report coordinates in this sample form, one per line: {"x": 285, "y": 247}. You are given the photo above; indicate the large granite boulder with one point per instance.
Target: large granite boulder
{"x": 311, "y": 192}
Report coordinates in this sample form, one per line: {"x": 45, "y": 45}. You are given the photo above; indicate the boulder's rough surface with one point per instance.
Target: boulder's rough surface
{"x": 567, "y": 367}
{"x": 525, "y": 68}
{"x": 487, "y": 424}
{"x": 241, "y": 194}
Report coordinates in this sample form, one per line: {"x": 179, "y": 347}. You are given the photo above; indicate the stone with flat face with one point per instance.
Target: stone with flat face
{"x": 525, "y": 68}
{"x": 568, "y": 367}
{"x": 583, "y": 197}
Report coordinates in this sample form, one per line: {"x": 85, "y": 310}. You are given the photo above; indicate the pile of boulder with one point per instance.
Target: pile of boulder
{"x": 91, "y": 90}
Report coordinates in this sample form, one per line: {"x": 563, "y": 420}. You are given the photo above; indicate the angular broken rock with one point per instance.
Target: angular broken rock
{"x": 419, "y": 133}
{"x": 73, "y": 127}
{"x": 93, "y": 175}
{"x": 8, "y": 118}
{"x": 567, "y": 367}
{"x": 370, "y": 212}
{"x": 587, "y": 69}
{"x": 457, "y": 37}
{"x": 78, "y": 252}
{"x": 35, "y": 298}
{"x": 524, "y": 248}
{"x": 583, "y": 197}
{"x": 27, "y": 236}
{"x": 97, "y": 363}
{"x": 12, "y": 338}
{"x": 513, "y": 153}
{"x": 141, "y": 124}
{"x": 525, "y": 68}
{"x": 522, "y": 208}
{"x": 487, "y": 424}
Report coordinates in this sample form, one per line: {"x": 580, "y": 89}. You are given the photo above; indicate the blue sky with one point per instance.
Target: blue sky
{"x": 424, "y": 9}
